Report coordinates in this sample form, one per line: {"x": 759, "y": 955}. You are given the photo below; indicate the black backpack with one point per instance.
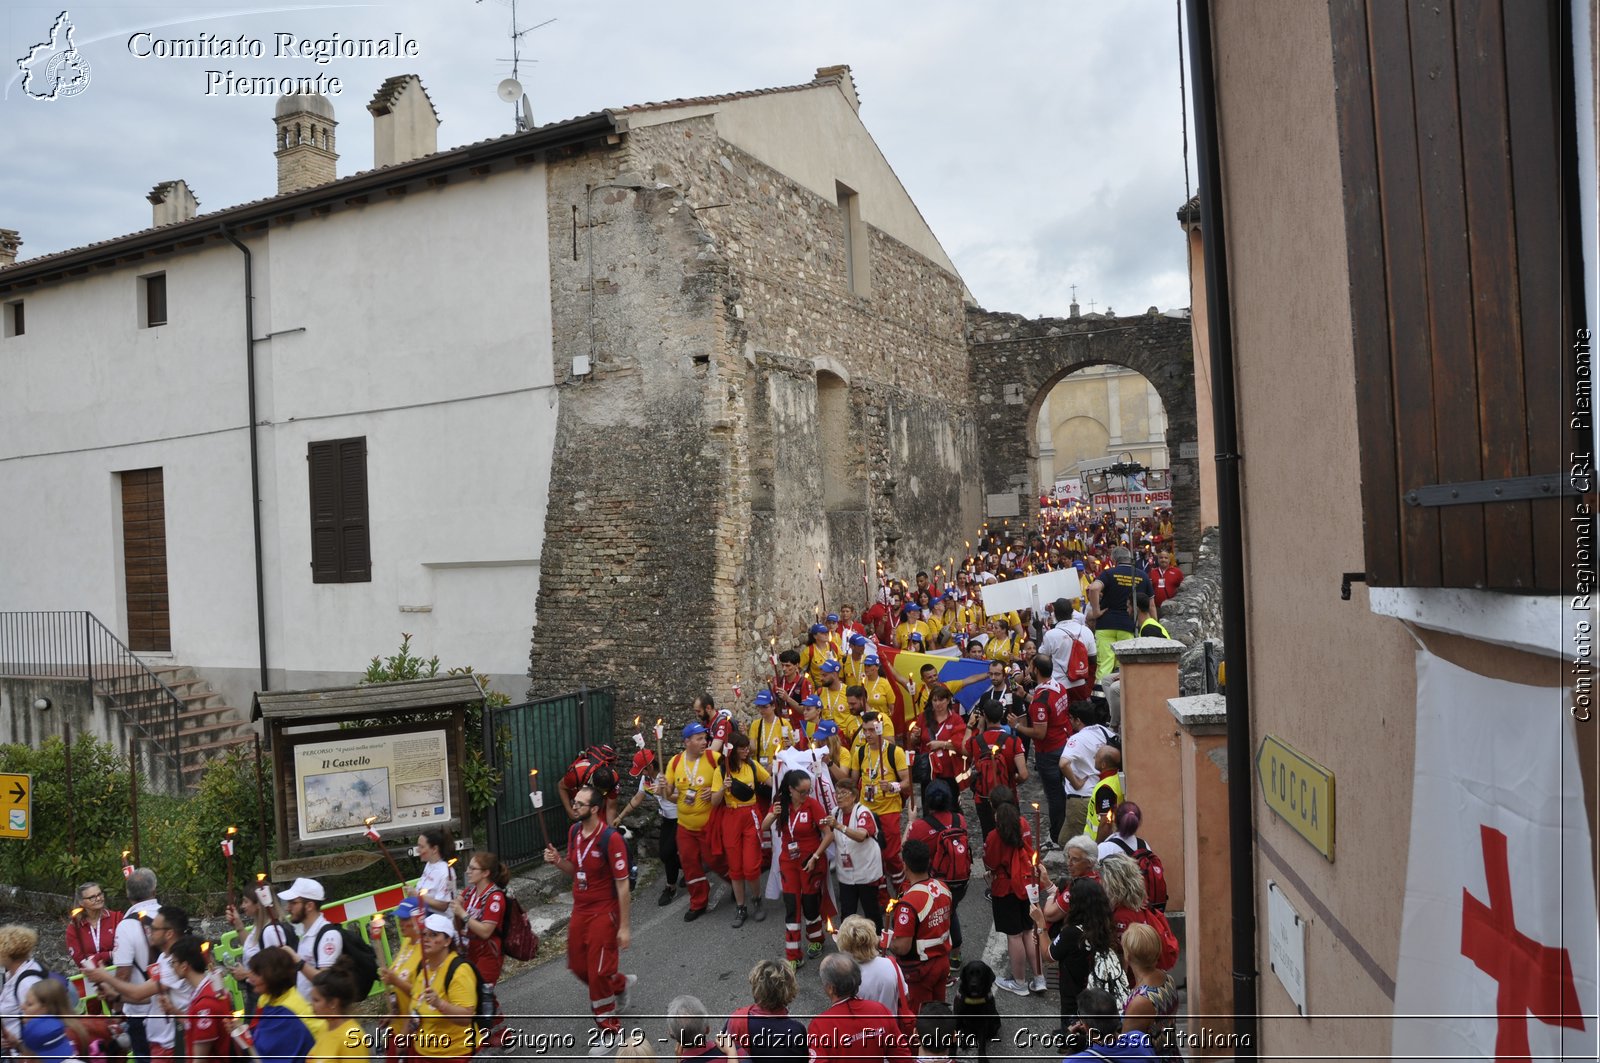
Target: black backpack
{"x": 483, "y": 1010}
{"x": 604, "y": 841}
{"x": 363, "y": 959}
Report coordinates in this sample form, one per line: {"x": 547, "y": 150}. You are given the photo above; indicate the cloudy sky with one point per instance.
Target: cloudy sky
{"x": 1042, "y": 139}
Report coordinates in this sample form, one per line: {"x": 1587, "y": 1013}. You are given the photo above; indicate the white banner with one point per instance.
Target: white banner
{"x": 1030, "y": 592}
{"x": 1498, "y": 937}
{"x": 1134, "y": 503}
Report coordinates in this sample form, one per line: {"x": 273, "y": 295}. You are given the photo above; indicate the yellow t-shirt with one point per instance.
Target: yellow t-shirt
{"x": 970, "y": 618}
{"x": 902, "y": 634}
{"x": 876, "y": 769}
{"x": 1000, "y": 649}
{"x": 835, "y": 704}
{"x": 935, "y": 623}
{"x": 854, "y": 671}
{"x": 766, "y": 739}
{"x": 344, "y": 1040}
{"x": 442, "y": 1036}
{"x": 703, "y": 778}
{"x": 811, "y": 658}
{"x": 749, "y": 774}
{"x": 880, "y": 699}
{"x": 405, "y": 965}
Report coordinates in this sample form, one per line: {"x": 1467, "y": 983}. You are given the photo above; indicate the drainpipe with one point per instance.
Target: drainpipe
{"x": 1241, "y": 829}
{"x": 255, "y": 453}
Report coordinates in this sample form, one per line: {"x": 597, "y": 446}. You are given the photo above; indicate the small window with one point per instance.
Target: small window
{"x": 857, "y": 272}
{"x": 14, "y": 322}
{"x": 155, "y": 299}
{"x": 341, "y": 550}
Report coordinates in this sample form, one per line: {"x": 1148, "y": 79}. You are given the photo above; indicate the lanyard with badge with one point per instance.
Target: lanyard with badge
{"x": 793, "y": 844}
{"x": 581, "y": 856}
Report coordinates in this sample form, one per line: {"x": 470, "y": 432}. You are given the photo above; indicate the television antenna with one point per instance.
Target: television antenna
{"x": 510, "y": 89}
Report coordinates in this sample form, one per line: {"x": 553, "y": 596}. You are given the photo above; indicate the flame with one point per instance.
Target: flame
{"x": 819, "y": 568}
{"x": 76, "y": 912}
{"x": 452, "y": 861}
{"x": 533, "y": 773}
{"x": 368, "y": 821}
{"x": 232, "y": 831}
{"x": 238, "y": 1014}
{"x": 205, "y": 947}
{"x": 830, "y": 926}
{"x": 659, "y": 721}
{"x": 125, "y": 853}
{"x": 261, "y": 876}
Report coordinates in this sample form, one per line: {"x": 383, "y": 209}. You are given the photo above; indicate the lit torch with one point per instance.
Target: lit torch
{"x": 127, "y": 867}
{"x": 821, "y": 589}
{"x": 227, "y": 852}
{"x": 660, "y": 730}
{"x": 638, "y": 733}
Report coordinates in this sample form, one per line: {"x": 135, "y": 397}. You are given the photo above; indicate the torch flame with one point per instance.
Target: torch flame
{"x": 232, "y": 831}
{"x": 368, "y": 821}
{"x": 125, "y": 853}
{"x": 261, "y": 876}
{"x": 636, "y": 722}
{"x": 819, "y": 568}
{"x": 205, "y": 947}
{"x": 659, "y": 721}
{"x": 533, "y": 773}
{"x": 76, "y": 912}
{"x": 831, "y": 929}
{"x": 238, "y": 1014}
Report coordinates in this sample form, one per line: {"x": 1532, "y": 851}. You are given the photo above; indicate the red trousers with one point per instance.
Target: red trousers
{"x": 592, "y": 958}
{"x": 925, "y": 982}
{"x": 741, "y": 839}
{"x": 694, "y": 852}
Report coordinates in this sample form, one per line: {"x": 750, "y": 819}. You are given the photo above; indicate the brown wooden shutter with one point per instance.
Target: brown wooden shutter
{"x": 323, "y": 461}
{"x": 355, "y": 556}
{"x": 1450, "y": 125}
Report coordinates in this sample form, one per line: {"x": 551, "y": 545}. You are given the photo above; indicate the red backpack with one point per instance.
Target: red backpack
{"x": 1078, "y": 666}
{"x": 988, "y": 769}
{"x": 1155, "y": 877}
{"x": 951, "y": 857}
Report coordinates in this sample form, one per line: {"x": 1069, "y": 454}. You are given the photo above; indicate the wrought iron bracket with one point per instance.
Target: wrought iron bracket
{"x": 1477, "y": 492}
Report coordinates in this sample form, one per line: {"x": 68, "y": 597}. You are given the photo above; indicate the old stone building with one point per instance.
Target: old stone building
{"x": 761, "y": 353}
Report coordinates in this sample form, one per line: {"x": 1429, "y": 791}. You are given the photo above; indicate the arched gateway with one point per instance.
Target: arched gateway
{"x": 1015, "y": 362}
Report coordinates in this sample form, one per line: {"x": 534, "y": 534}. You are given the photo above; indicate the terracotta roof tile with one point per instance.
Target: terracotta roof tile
{"x": 696, "y": 101}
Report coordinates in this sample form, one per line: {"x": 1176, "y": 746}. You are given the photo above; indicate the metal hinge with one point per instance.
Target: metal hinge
{"x": 1474, "y": 492}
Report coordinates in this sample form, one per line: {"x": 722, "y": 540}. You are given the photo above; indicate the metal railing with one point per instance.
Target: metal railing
{"x": 73, "y": 645}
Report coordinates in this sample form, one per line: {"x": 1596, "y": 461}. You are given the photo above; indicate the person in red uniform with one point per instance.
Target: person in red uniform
{"x": 941, "y": 811}
{"x": 995, "y": 757}
{"x": 479, "y": 914}
{"x": 852, "y": 1030}
{"x": 920, "y": 929}
{"x": 1049, "y": 725}
{"x": 942, "y": 734}
{"x": 582, "y": 773}
{"x": 1165, "y": 578}
{"x": 801, "y": 862}
{"x": 90, "y": 933}
{"x": 600, "y": 903}
{"x": 791, "y": 687}
{"x": 205, "y": 1019}
{"x": 718, "y": 723}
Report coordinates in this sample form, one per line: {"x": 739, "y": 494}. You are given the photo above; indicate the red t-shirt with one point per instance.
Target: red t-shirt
{"x": 487, "y": 905}
{"x": 800, "y": 826}
{"x": 1049, "y": 707}
{"x": 945, "y": 764}
{"x": 1012, "y": 868}
{"x": 798, "y": 688}
{"x": 923, "y": 915}
{"x": 856, "y": 1031}
{"x": 85, "y": 939}
{"x": 578, "y": 776}
{"x": 1165, "y": 582}
{"x": 598, "y": 871}
{"x": 206, "y": 1021}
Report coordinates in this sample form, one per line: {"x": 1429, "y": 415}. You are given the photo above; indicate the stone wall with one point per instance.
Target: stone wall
{"x": 1016, "y": 361}
{"x": 702, "y": 472}
{"x": 1194, "y": 614}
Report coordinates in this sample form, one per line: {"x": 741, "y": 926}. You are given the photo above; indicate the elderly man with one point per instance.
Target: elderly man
{"x": 689, "y": 1029}
{"x": 852, "y": 1030}
{"x": 130, "y": 953}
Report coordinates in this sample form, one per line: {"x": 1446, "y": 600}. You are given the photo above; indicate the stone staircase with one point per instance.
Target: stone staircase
{"x": 207, "y": 726}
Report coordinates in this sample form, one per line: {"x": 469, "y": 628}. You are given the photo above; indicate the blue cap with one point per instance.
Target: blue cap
{"x": 819, "y": 629}
{"x": 763, "y": 697}
{"x": 811, "y": 701}
{"x": 1078, "y": 565}
{"x": 871, "y": 658}
{"x": 830, "y": 666}
{"x": 916, "y": 636}
{"x": 696, "y": 728}
{"x": 833, "y": 618}
{"x": 858, "y": 639}
{"x": 406, "y": 909}
{"x": 913, "y": 607}
{"x": 826, "y": 730}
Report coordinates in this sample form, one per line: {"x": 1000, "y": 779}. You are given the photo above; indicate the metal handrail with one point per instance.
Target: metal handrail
{"x": 169, "y": 700}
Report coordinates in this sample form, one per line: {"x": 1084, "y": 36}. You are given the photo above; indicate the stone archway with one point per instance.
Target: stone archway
{"x": 1015, "y": 361}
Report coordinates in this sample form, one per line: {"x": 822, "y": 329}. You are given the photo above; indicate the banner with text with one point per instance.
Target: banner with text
{"x": 1134, "y": 503}
{"x": 395, "y": 780}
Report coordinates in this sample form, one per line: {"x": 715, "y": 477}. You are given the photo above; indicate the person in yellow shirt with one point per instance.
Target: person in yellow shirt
{"x": 769, "y": 732}
{"x": 882, "y": 776}
{"x": 402, "y": 969}
{"x": 836, "y": 704}
{"x": 741, "y": 824}
{"x": 880, "y": 691}
{"x": 812, "y": 655}
{"x": 969, "y": 616}
{"x": 912, "y": 624}
{"x": 340, "y": 1037}
{"x": 446, "y": 995}
{"x": 857, "y": 698}
{"x": 694, "y": 781}
{"x": 1000, "y": 647}
{"x": 936, "y": 620}
{"x": 854, "y": 668}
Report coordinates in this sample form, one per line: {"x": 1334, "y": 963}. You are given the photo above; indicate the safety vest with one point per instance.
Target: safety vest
{"x": 926, "y": 943}
{"x": 1091, "y": 819}
{"x": 1158, "y": 625}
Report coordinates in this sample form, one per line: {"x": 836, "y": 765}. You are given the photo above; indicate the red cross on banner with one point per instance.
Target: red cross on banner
{"x": 1533, "y": 978}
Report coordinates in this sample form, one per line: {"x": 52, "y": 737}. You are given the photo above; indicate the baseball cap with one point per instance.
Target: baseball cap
{"x": 858, "y": 639}
{"x": 916, "y": 636}
{"x": 696, "y": 728}
{"x": 440, "y": 923}
{"x": 826, "y": 730}
{"x": 642, "y": 760}
{"x": 871, "y": 658}
{"x": 830, "y": 666}
{"x": 406, "y": 909}
{"x": 833, "y": 618}
{"x": 763, "y": 697}
{"x": 303, "y": 889}
{"x": 819, "y": 629}
{"x": 913, "y": 607}
{"x": 812, "y": 702}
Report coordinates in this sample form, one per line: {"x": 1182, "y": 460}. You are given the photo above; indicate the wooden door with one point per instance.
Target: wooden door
{"x": 144, "y": 555}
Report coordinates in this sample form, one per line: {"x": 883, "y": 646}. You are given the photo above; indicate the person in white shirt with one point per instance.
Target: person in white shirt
{"x": 162, "y": 995}
{"x": 436, "y": 886}
{"x": 130, "y": 952}
{"x": 881, "y": 979}
{"x": 1077, "y": 761}
{"x": 860, "y": 855}
{"x": 265, "y": 933}
{"x": 320, "y": 942}
{"x": 1057, "y": 642}
{"x": 16, "y": 958}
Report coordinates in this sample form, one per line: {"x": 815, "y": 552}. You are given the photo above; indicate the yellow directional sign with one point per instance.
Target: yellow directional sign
{"x": 16, "y": 805}
{"x": 1298, "y": 789}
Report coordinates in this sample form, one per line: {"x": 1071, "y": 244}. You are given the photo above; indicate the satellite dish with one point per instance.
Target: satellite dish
{"x": 509, "y": 89}
{"x": 527, "y": 112}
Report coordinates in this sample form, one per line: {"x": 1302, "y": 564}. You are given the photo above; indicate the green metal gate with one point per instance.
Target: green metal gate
{"x": 545, "y": 735}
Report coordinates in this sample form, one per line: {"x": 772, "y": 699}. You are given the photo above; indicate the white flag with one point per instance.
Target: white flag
{"x": 1498, "y": 939}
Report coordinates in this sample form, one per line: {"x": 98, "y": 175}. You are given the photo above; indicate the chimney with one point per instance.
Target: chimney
{"x": 305, "y": 148}
{"x": 405, "y": 125}
{"x": 847, "y": 83}
{"x": 10, "y": 241}
{"x": 172, "y": 202}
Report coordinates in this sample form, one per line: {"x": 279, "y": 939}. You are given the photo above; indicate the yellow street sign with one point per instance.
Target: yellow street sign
{"x": 16, "y": 805}
{"x": 1298, "y": 789}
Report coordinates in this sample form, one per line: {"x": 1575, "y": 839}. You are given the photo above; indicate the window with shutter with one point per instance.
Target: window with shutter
{"x": 340, "y": 537}
{"x": 1462, "y": 269}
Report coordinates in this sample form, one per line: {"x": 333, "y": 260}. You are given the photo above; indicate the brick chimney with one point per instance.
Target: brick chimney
{"x": 172, "y": 202}
{"x": 305, "y": 150}
{"x": 847, "y": 83}
{"x": 10, "y": 242}
{"x": 405, "y": 125}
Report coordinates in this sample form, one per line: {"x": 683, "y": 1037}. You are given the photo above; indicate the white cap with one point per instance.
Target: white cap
{"x": 303, "y": 889}
{"x": 440, "y": 924}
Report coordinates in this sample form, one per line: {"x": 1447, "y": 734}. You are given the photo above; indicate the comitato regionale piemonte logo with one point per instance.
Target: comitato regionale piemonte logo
{"x": 54, "y": 69}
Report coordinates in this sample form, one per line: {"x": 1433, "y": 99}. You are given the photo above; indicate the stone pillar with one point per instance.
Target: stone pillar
{"x": 1150, "y": 751}
{"x": 1208, "y": 928}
